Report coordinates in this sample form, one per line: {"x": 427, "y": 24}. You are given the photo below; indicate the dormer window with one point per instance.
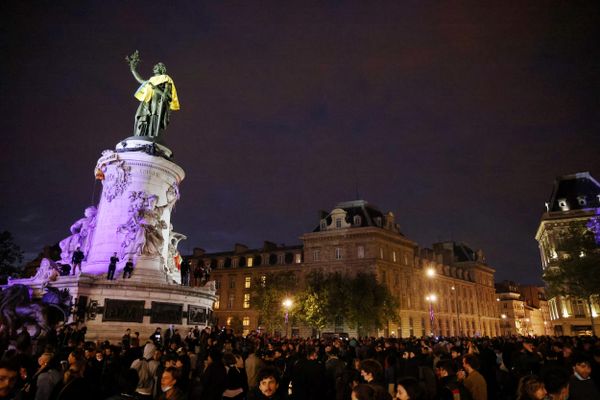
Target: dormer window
{"x": 378, "y": 221}
{"x": 357, "y": 220}
{"x": 323, "y": 224}
{"x": 338, "y": 223}
{"x": 581, "y": 200}
{"x": 562, "y": 203}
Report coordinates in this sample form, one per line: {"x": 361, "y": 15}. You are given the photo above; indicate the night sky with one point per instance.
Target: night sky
{"x": 455, "y": 118}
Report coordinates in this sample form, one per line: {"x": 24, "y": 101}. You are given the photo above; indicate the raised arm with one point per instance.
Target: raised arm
{"x": 133, "y": 60}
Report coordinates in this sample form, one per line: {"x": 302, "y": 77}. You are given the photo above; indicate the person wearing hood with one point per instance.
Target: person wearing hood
{"x": 146, "y": 368}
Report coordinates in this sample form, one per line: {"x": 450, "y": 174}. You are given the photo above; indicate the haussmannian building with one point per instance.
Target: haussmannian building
{"x": 574, "y": 203}
{"x": 357, "y": 237}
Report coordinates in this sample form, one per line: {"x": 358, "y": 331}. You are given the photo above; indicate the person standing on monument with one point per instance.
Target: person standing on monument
{"x": 77, "y": 258}
{"x": 128, "y": 268}
{"x": 157, "y": 97}
{"x": 112, "y": 266}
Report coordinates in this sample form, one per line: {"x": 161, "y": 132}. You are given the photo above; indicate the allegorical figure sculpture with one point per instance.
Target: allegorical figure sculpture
{"x": 142, "y": 233}
{"x": 157, "y": 97}
{"x": 81, "y": 236}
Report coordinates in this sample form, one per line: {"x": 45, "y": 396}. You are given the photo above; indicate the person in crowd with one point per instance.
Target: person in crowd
{"x": 213, "y": 380}
{"x": 472, "y": 379}
{"x": 126, "y": 385}
{"x": 48, "y": 376}
{"x": 168, "y": 385}
{"x": 371, "y": 372}
{"x": 77, "y": 258}
{"x": 363, "y": 391}
{"x": 146, "y": 367}
{"x": 268, "y": 383}
{"x": 556, "y": 383}
{"x": 9, "y": 375}
{"x": 531, "y": 387}
{"x": 581, "y": 385}
{"x": 410, "y": 389}
{"x": 309, "y": 377}
{"x": 252, "y": 364}
{"x": 157, "y": 337}
{"x": 236, "y": 382}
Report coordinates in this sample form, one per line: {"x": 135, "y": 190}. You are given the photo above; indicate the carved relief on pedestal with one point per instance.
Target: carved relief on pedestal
{"x": 142, "y": 234}
{"x": 114, "y": 183}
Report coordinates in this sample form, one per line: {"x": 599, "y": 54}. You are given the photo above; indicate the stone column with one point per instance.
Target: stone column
{"x": 134, "y": 214}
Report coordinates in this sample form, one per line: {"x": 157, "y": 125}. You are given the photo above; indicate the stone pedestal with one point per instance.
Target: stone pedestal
{"x": 139, "y": 189}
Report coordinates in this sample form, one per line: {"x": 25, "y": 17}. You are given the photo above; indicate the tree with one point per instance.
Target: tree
{"x": 10, "y": 256}
{"x": 576, "y": 270}
{"x": 370, "y": 303}
{"x": 267, "y": 294}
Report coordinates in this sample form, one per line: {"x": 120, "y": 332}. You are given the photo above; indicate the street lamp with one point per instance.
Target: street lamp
{"x": 287, "y": 304}
{"x": 431, "y": 298}
{"x": 430, "y": 272}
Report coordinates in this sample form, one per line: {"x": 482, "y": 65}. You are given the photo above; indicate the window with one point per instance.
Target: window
{"x": 249, "y": 262}
{"x": 360, "y": 251}
{"x": 230, "y": 301}
{"x": 323, "y": 224}
{"x": 316, "y": 255}
{"x": 217, "y": 284}
{"x": 247, "y": 282}
{"x": 357, "y": 220}
{"x": 216, "y": 305}
{"x": 298, "y": 258}
{"x": 381, "y": 253}
{"x": 338, "y": 253}
{"x": 393, "y": 256}
{"x": 229, "y": 319}
{"x": 247, "y": 300}
{"x": 246, "y": 321}
{"x": 263, "y": 280}
{"x": 405, "y": 259}
{"x": 581, "y": 200}
{"x": 280, "y": 258}
{"x": 562, "y": 203}
{"x": 232, "y": 283}
{"x": 338, "y": 222}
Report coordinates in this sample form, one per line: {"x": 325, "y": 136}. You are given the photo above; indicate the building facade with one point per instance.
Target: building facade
{"x": 523, "y": 310}
{"x": 574, "y": 203}
{"x": 445, "y": 290}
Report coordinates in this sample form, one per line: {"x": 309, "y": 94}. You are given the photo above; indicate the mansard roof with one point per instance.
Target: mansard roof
{"x": 368, "y": 215}
{"x": 574, "y": 192}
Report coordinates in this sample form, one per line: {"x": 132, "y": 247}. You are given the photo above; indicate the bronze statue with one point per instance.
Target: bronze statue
{"x": 157, "y": 97}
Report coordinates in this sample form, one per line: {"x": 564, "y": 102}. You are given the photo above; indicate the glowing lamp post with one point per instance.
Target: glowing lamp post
{"x": 287, "y": 305}
{"x": 432, "y": 298}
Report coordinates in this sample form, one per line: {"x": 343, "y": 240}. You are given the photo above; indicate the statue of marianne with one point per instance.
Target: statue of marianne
{"x": 157, "y": 97}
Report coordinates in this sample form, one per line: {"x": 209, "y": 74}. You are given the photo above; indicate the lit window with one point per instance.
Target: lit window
{"x": 230, "y": 301}
{"x": 247, "y": 300}
{"x": 381, "y": 253}
{"x": 338, "y": 253}
{"x": 361, "y": 251}
{"x": 298, "y": 258}
{"x": 250, "y": 261}
{"x": 393, "y": 256}
{"x": 263, "y": 280}
{"x": 216, "y": 306}
{"x": 246, "y": 321}
{"x": 316, "y": 255}
{"x": 247, "y": 282}
{"x": 229, "y": 319}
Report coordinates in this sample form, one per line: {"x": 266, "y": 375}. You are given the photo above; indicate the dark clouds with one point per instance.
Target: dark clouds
{"x": 457, "y": 118}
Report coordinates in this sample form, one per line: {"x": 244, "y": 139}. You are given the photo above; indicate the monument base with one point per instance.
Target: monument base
{"x": 109, "y": 307}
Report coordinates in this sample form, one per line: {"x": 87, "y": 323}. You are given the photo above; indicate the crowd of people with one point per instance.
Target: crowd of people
{"x": 209, "y": 364}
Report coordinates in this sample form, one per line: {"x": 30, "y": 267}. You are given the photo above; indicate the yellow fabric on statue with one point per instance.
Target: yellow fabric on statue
{"x": 145, "y": 91}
